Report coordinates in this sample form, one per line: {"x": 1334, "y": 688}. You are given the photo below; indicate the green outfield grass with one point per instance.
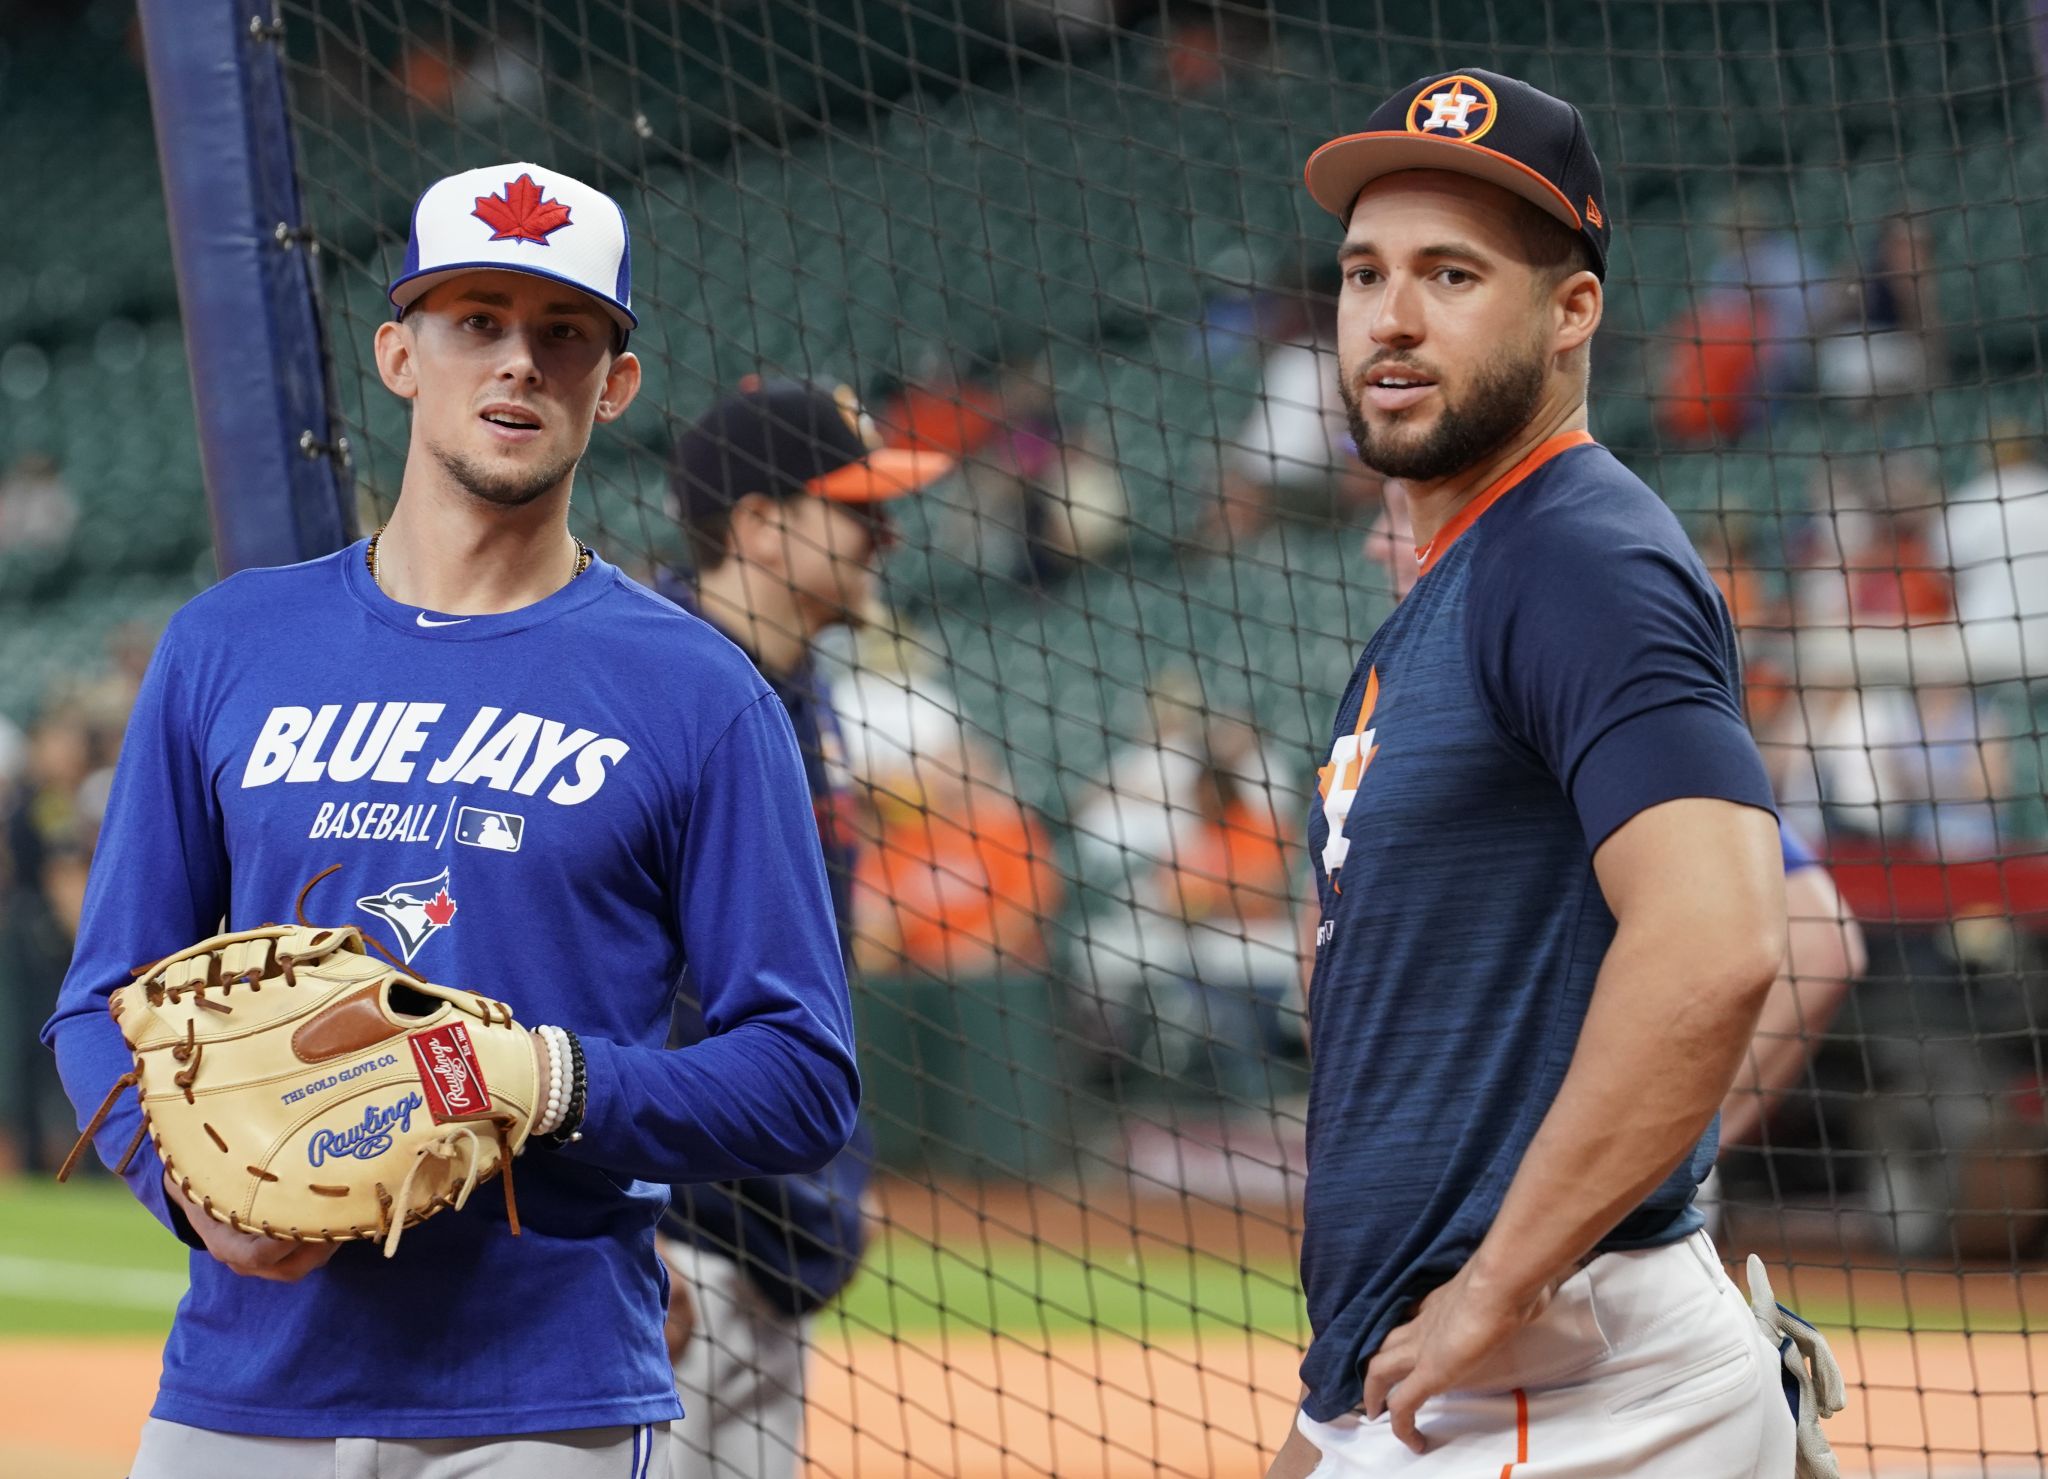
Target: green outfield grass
{"x": 85, "y": 1260}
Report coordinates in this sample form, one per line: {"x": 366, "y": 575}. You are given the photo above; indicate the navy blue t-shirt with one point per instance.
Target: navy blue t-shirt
{"x": 1563, "y": 665}
{"x": 800, "y": 1238}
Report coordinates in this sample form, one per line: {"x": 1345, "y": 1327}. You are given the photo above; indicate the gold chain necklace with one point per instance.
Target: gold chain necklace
{"x": 370, "y": 557}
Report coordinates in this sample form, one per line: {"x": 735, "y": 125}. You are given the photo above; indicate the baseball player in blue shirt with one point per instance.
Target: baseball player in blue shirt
{"x": 785, "y": 507}
{"x": 1550, "y": 890}
{"x": 539, "y": 780}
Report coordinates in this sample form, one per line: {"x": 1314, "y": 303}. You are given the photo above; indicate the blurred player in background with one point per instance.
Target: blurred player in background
{"x": 1824, "y": 956}
{"x": 378, "y": 709}
{"x": 1552, "y": 900}
{"x": 783, "y": 502}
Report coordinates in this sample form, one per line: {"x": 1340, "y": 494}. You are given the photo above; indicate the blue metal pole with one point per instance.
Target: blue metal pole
{"x": 277, "y": 480}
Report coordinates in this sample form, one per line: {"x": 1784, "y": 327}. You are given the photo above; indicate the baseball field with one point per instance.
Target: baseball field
{"x": 1007, "y": 1332}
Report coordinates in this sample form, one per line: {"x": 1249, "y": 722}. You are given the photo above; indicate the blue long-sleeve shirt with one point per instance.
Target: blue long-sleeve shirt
{"x": 561, "y": 807}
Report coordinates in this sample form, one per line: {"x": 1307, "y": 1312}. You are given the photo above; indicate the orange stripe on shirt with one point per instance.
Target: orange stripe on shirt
{"x": 1325, "y": 773}
{"x": 1427, "y": 555}
{"x": 1521, "y": 1434}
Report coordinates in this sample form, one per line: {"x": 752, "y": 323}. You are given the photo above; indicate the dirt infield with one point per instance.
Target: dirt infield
{"x": 1103, "y": 1407}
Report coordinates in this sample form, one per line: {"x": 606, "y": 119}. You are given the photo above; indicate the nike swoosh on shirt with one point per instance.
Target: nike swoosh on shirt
{"x": 423, "y": 621}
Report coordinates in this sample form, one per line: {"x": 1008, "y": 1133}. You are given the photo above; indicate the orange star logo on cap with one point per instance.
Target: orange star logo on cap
{"x": 1458, "y": 107}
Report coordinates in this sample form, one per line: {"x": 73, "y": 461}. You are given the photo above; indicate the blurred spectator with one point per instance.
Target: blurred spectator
{"x": 1232, "y": 874}
{"x": 503, "y": 74}
{"x": 13, "y": 760}
{"x": 1868, "y": 554}
{"x": 1947, "y": 772}
{"x": 1726, "y": 546}
{"x": 1190, "y": 944}
{"x": 1994, "y": 536}
{"x": 48, "y": 840}
{"x": 943, "y": 411}
{"x": 1075, "y": 512}
{"x": 37, "y": 511}
{"x": 425, "y": 77}
{"x": 893, "y": 704}
{"x": 1888, "y": 347}
{"x": 1750, "y": 336}
{"x": 1229, "y": 885}
{"x": 1711, "y": 379}
{"x": 960, "y": 881}
{"x": 1206, "y": 42}
{"x": 1236, "y": 306}
{"x": 1817, "y": 752}
{"x": 1915, "y": 770}
{"x": 957, "y": 878}
{"x": 1764, "y": 263}
{"x": 1292, "y": 455}
{"x": 1040, "y": 504}
{"x": 1144, "y": 812}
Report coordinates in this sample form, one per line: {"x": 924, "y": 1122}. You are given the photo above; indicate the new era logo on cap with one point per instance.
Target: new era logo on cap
{"x": 520, "y": 218}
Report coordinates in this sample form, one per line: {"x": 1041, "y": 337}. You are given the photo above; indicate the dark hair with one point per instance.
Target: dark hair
{"x": 705, "y": 528}
{"x": 707, "y": 525}
{"x": 1552, "y": 248}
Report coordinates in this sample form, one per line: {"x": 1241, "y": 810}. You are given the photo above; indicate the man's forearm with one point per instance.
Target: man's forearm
{"x": 1670, "y": 1019}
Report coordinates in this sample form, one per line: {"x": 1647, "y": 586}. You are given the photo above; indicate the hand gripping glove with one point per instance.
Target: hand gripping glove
{"x": 1813, "y": 1380}
{"x": 296, "y": 1087}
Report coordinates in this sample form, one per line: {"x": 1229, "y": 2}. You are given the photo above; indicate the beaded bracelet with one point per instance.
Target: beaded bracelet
{"x": 554, "y": 1102}
{"x": 565, "y": 1053}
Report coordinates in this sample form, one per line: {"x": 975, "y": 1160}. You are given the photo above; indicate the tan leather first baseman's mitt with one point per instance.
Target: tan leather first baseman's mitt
{"x": 297, "y": 1087}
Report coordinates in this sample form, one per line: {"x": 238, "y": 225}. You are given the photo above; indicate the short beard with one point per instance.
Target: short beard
{"x": 1502, "y": 400}
{"x": 508, "y": 490}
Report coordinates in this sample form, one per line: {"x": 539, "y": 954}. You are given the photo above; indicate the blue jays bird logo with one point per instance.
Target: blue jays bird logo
{"x": 1459, "y": 108}
{"x": 416, "y": 911}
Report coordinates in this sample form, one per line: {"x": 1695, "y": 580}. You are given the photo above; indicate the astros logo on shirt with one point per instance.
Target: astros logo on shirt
{"x": 1456, "y": 108}
{"x": 1338, "y": 782}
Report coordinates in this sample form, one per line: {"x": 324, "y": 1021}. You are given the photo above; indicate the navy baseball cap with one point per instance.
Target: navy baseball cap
{"x": 1476, "y": 123}
{"x": 788, "y": 439}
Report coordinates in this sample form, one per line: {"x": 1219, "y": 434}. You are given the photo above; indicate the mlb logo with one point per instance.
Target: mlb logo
{"x": 499, "y": 831}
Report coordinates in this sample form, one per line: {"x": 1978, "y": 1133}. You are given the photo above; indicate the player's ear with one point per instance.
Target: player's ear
{"x": 757, "y": 528}
{"x": 621, "y": 385}
{"x": 394, "y": 350}
{"x": 1579, "y": 302}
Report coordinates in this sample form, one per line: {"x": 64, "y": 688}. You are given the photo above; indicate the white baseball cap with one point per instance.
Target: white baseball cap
{"x": 520, "y": 218}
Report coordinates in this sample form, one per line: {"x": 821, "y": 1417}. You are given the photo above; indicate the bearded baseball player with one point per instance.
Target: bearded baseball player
{"x": 1551, "y": 894}
{"x": 538, "y": 780}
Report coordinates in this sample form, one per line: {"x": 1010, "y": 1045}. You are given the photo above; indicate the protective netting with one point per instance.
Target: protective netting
{"x": 1068, "y": 242}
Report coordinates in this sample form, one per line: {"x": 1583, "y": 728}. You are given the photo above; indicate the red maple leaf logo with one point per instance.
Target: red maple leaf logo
{"x": 520, "y": 214}
{"x": 440, "y": 909}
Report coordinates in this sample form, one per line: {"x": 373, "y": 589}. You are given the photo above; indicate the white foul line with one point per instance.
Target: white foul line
{"x": 90, "y": 1283}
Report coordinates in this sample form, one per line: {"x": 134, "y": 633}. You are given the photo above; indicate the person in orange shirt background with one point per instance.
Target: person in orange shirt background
{"x": 960, "y": 879}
